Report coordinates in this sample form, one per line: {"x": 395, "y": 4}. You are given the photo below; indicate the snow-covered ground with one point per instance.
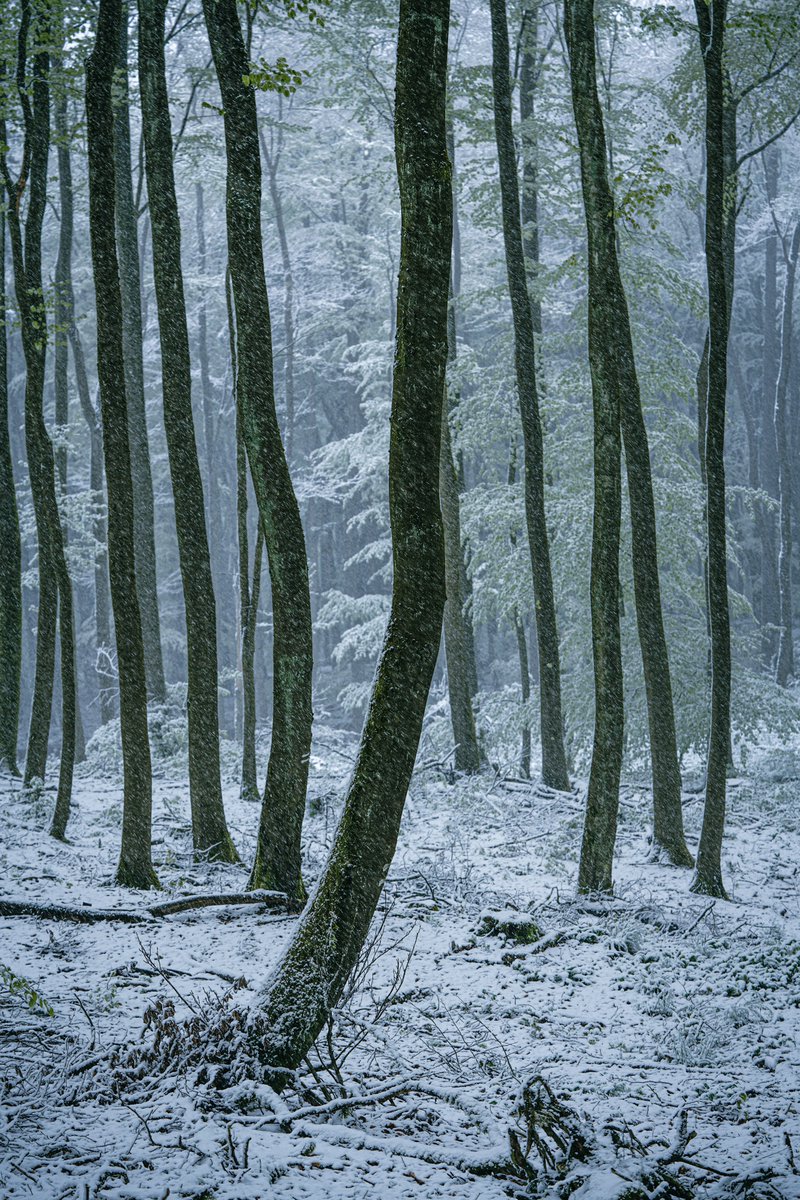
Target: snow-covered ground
{"x": 631, "y": 1010}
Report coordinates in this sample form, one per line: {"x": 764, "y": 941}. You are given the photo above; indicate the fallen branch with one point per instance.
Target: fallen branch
{"x": 88, "y": 916}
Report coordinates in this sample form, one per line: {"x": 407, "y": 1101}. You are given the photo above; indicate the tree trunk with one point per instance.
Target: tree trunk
{"x": 209, "y": 829}
{"x": 610, "y": 372}
{"x": 277, "y": 862}
{"x": 288, "y": 303}
{"x": 312, "y": 972}
{"x": 711, "y": 22}
{"x": 132, "y": 331}
{"x": 785, "y": 666}
{"x": 55, "y": 589}
{"x": 106, "y": 682}
{"x": 63, "y": 319}
{"x": 770, "y": 612}
{"x": 554, "y": 762}
{"x": 135, "y": 866}
{"x": 459, "y": 642}
{"x": 10, "y": 549}
{"x": 250, "y": 624}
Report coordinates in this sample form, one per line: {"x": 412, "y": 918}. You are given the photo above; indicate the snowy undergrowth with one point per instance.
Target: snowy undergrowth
{"x": 632, "y": 1010}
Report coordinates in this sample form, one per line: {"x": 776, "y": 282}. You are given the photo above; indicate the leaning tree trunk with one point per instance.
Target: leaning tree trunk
{"x": 132, "y": 331}
{"x": 554, "y": 761}
{"x": 10, "y": 549}
{"x": 308, "y": 981}
{"x": 711, "y": 23}
{"x": 785, "y": 666}
{"x": 135, "y": 866}
{"x": 209, "y": 829}
{"x": 610, "y": 372}
{"x": 277, "y": 861}
{"x": 55, "y": 588}
{"x": 614, "y": 361}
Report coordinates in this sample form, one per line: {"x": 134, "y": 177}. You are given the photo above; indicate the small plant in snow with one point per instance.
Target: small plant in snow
{"x": 23, "y": 991}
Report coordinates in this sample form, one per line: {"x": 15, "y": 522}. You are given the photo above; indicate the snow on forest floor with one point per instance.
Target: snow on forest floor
{"x": 631, "y": 1009}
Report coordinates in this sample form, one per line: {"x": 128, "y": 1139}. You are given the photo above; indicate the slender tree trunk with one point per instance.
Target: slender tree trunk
{"x": 106, "y": 682}
{"x": 277, "y": 862}
{"x": 462, "y": 717}
{"x": 210, "y": 831}
{"x": 288, "y": 304}
{"x": 770, "y": 589}
{"x": 608, "y": 372}
{"x": 250, "y": 620}
{"x": 64, "y": 316}
{"x": 135, "y": 866}
{"x": 132, "y": 329}
{"x": 711, "y": 22}
{"x": 522, "y": 646}
{"x": 213, "y": 477}
{"x": 785, "y": 666}
{"x": 249, "y": 782}
{"x": 10, "y": 549}
{"x": 309, "y": 978}
{"x": 554, "y": 762}
{"x": 458, "y": 640}
{"x": 55, "y": 589}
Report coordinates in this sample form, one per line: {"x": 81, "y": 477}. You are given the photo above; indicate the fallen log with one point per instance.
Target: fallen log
{"x": 168, "y": 908}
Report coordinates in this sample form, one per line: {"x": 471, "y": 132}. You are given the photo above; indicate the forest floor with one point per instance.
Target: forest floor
{"x": 632, "y": 1010}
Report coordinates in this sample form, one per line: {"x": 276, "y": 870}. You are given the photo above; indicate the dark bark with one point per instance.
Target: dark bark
{"x": 785, "y": 664}
{"x": 459, "y": 642}
{"x": 522, "y": 647}
{"x": 711, "y": 23}
{"x": 277, "y": 862}
{"x": 55, "y": 589}
{"x": 309, "y": 978}
{"x": 63, "y": 319}
{"x": 135, "y": 866}
{"x": 554, "y": 762}
{"x": 10, "y": 549}
{"x": 250, "y": 625}
{"x": 132, "y": 330}
{"x": 288, "y": 298}
{"x": 249, "y": 779}
{"x": 209, "y": 829}
{"x": 608, "y": 374}
{"x": 106, "y": 682}
{"x": 770, "y": 612}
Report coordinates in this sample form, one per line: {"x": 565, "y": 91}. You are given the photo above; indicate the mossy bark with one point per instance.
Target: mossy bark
{"x": 209, "y": 828}
{"x": 132, "y": 333}
{"x": 135, "y": 867}
{"x": 55, "y": 588}
{"x": 308, "y": 980}
{"x": 10, "y": 549}
{"x": 459, "y": 641}
{"x": 554, "y": 761}
{"x": 711, "y": 25}
{"x": 610, "y": 355}
{"x": 277, "y": 861}
{"x": 785, "y": 664}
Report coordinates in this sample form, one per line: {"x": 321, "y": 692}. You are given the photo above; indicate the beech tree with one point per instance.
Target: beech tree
{"x": 277, "y": 863}
{"x": 711, "y": 26}
{"x": 135, "y": 867}
{"x": 210, "y": 831}
{"x": 55, "y": 588}
{"x": 554, "y": 762}
{"x": 309, "y": 978}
